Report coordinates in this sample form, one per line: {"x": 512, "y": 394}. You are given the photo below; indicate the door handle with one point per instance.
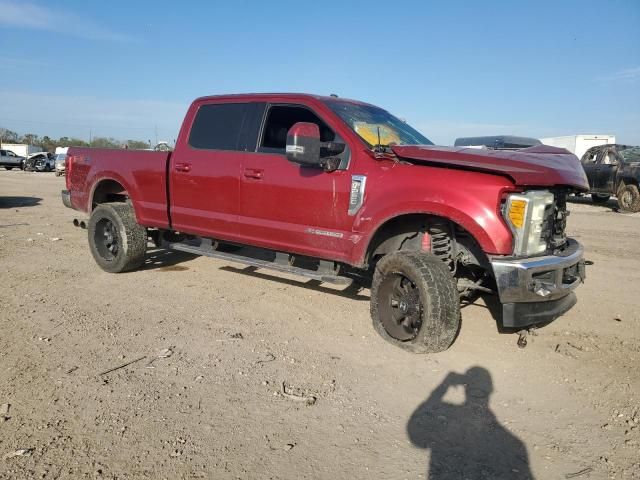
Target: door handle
{"x": 253, "y": 173}
{"x": 183, "y": 167}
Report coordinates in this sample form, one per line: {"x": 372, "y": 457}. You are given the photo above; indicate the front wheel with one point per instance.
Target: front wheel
{"x": 415, "y": 302}
{"x": 629, "y": 198}
{"x": 117, "y": 242}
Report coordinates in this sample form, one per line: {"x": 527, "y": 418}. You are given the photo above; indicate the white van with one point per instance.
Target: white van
{"x": 579, "y": 144}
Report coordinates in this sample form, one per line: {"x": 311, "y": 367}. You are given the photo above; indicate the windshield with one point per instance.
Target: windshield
{"x": 60, "y": 157}
{"x": 631, "y": 154}
{"x": 371, "y": 123}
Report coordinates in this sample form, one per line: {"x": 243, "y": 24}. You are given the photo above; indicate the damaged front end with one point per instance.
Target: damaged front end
{"x": 535, "y": 285}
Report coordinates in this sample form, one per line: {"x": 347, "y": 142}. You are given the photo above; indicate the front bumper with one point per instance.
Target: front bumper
{"x": 538, "y": 289}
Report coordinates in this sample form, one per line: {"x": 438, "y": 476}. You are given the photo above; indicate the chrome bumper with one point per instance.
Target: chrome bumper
{"x": 66, "y": 198}
{"x": 538, "y": 289}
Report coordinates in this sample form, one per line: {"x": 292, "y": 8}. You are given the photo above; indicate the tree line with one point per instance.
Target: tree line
{"x": 48, "y": 144}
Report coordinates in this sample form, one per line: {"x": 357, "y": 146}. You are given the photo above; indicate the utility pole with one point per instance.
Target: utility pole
{"x": 90, "y": 138}
{"x": 156, "y": 129}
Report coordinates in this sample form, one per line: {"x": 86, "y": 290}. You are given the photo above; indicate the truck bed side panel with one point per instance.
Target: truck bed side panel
{"x": 141, "y": 173}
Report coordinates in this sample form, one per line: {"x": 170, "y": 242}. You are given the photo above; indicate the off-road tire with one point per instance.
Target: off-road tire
{"x": 131, "y": 238}
{"x": 438, "y": 294}
{"x": 600, "y": 199}
{"x": 58, "y": 174}
{"x": 629, "y": 198}
{"x": 8, "y": 168}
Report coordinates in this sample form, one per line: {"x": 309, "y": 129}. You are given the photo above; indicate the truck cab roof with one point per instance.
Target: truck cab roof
{"x": 276, "y": 97}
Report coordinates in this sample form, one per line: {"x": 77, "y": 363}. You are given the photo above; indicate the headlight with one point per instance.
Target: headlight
{"x": 525, "y": 214}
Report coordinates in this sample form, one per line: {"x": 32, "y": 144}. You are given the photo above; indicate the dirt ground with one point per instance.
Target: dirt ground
{"x": 568, "y": 404}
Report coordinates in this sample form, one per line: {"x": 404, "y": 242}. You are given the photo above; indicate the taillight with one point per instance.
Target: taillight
{"x": 68, "y": 165}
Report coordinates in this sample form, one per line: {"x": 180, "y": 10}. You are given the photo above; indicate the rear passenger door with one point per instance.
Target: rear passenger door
{"x": 205, "y": 171}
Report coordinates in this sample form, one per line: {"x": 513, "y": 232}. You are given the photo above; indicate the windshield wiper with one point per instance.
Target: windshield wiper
{"x": 380, "y": 147}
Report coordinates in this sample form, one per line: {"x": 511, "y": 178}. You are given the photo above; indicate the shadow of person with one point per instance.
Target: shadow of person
{"x": 466, "y": 440}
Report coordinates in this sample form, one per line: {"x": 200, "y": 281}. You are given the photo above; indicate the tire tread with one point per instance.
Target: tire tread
{"x": 441, "y": 314}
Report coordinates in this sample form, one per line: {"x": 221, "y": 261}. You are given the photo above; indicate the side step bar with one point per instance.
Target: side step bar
{"x": 279, "y": 263}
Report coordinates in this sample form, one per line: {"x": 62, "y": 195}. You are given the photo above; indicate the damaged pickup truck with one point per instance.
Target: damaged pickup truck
{"x": 338, "y": 190}
{"x": 614, "y": 170}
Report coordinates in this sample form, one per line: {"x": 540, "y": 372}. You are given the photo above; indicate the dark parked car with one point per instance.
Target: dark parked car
{"x": 10, "y": 160}
{"x": 614, "y": 170}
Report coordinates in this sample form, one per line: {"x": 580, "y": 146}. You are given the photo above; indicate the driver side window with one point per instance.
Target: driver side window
{"x": 281, "y": 118}
{"x": 609, "y": 158}
{"x": 590, "y": 157}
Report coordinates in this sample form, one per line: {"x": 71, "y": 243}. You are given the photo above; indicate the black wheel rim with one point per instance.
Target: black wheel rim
{"x": 400, "y": 307}
{"x": 106, "y": 239}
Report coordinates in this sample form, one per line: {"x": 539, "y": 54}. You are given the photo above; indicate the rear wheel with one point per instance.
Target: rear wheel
{"x": 599, "y": 198}
{"x": 629, "y": 198}
{"x": 414, "y": 302}
{"x": 8, "y": 168}
{"x": 117, "y": 242}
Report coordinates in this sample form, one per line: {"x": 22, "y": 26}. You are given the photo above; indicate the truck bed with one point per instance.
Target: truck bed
{"x": 142, "y": 173}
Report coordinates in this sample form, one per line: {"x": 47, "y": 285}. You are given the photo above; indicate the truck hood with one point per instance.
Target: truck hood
{"x": 538, "y": 166}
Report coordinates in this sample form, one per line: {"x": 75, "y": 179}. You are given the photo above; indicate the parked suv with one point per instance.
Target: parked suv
{"x": 339, "y": 191}
{"x": 59, "y": 162}
{"x": 10, "y": 160}
{"x": 614, "y": 170}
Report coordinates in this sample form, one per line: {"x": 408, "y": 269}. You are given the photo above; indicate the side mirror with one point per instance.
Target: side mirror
{"x": 303, "y": 144}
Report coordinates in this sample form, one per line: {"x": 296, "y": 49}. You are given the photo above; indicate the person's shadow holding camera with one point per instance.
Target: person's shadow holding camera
{"x": 466, "y": 440}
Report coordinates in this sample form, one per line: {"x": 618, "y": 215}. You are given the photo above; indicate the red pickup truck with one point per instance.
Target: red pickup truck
{"x": 342, "y": 191}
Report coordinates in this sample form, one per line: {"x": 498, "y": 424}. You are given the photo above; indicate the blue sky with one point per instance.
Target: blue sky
{"x": 450, "y": 68}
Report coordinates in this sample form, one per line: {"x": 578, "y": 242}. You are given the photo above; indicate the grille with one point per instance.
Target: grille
{"x": 555, "y": 223}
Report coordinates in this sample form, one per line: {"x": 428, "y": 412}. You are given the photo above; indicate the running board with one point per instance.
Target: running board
{"x": 277, "y": 264}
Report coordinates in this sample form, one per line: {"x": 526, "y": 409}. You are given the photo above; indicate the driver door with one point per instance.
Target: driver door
{"x": 287, "y": 207}
{"x": 606, "y": 167}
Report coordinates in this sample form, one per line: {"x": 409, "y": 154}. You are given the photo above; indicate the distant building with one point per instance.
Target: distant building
{"x": 20, "y": 149}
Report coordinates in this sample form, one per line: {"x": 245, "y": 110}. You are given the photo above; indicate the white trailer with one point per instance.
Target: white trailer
{"x": 579, "y": 144}
{"x": 20, "y": 149}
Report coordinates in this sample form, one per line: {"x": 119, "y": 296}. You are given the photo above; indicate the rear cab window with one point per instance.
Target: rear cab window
{"x": 226, "y": 126}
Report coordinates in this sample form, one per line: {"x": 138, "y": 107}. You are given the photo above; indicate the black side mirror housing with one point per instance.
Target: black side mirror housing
{"x": 303, "y": 144}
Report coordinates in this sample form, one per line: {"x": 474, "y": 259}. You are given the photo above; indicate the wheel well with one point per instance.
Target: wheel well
{"x": 108, "y": 191}
{"x": 396, "y": 234}
{"x": 627, "y": 181}
{"x": 446, "y": 239}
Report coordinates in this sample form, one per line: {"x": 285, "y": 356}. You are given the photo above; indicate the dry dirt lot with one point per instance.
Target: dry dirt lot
{"x": 566, "y": 404}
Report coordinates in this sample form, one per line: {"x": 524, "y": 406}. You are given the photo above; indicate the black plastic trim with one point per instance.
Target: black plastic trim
{"x": 520, "y": 315}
